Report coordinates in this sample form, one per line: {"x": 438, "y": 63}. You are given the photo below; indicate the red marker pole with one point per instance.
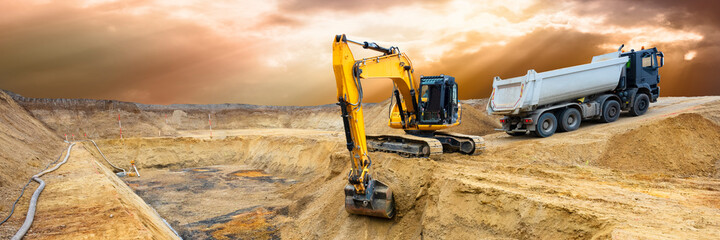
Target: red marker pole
{"x": 120, "y": 125}
{"x": 210, "y": 124}
{"x": 73, "y": 137}
{"x": 85, "y": 135}
{"x": 66, "y": 137}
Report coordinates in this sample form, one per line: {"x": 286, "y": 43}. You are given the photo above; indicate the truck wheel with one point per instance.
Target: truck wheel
{"x": 610, "y": 111}
{"x": 546, "y": 125}
{"x": 640, "y": 105}
{"x": 569, "y": 120}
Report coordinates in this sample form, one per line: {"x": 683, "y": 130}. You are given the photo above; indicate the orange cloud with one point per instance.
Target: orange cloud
{"x": 258, "y": 52}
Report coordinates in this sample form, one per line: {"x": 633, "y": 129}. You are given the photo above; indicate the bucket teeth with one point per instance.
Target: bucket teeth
{"x": 378, "y": 201}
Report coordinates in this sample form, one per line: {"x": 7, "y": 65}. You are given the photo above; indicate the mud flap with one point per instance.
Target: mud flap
{"x": 378, "y": 200}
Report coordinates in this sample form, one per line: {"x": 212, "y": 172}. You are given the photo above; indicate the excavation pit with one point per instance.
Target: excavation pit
{"x": 653, "y": 176}
{"x": 278, "y": 186}
{"x": 204, "y": 203}
{"x": 235, "y": 187}
{"x": 288, "y": 183}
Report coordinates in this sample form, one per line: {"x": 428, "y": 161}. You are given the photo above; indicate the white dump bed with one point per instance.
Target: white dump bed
{"x": 520, "y": 94}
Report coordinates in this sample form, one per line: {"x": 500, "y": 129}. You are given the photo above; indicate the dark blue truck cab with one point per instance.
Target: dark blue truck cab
{"x": 639, "y": 84}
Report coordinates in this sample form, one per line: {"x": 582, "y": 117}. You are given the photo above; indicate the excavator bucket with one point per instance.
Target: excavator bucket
{"x": 378, "y": 200}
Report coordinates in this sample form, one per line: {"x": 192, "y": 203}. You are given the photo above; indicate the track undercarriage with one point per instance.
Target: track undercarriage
{"x": 426, "y": 144}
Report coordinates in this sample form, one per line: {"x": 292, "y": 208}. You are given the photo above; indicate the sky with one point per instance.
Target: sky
{"x": 280, "y": 52}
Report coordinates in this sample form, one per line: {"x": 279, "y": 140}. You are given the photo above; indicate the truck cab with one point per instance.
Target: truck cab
{"x": 641, "y": 73}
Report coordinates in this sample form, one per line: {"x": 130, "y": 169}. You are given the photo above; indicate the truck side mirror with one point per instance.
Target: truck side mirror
{"x": 662, "y": 59}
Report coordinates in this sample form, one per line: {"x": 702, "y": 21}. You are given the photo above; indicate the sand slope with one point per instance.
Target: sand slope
{"x": 99, "y": 118}
{"x": 82, "y": 199}
{"x": 653, "y": 176}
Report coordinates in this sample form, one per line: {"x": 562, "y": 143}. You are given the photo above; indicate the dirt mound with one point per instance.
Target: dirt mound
{"x": 321, "y": 215}
{"x": 98, "y": 119}
{"x": 678, "y": 136}
{"x": 432, "y": 203}
{"x": 26, "y": 147}
{"x": 292, "y": 156}
{"x": 474, "y": 119}
{"x": 685, "y": 145}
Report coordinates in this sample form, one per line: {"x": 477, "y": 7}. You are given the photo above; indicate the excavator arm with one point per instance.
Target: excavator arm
{"x": 363, "y": 195}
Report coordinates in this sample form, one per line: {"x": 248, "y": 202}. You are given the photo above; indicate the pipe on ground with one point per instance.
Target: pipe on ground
{"x": 103, "y": 156}
{"x": 33, "y": 201}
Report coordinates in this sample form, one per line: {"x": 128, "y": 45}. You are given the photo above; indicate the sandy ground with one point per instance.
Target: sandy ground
{"x": 26, "y": 147}
{"x": 578, "y": 185}
{"x": 220, "y": 201}
{"x": 84, "y": 200}
{"x": 79, "y": 198}
{"x": 98, "y": 119}
{"x": 648, "y": 177}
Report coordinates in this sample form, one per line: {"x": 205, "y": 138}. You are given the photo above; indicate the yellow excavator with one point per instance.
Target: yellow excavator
{"x": 420, "y": 113}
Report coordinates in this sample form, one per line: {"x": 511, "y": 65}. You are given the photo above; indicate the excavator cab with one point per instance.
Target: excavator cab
{"x": 438, "y": 100}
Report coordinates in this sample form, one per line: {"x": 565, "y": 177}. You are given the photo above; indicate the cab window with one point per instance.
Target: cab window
{"x": 647, "y": 61}
{"x": 455, "y": 93}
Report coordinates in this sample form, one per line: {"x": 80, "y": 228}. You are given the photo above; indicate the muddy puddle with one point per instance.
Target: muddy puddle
{"x": 216, "y": 202}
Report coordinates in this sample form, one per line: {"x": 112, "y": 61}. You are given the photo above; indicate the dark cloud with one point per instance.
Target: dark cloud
{"x": 680, "y": 77}
{"x": 694, "y": 77}
{"x": 103, "y": 51}
{"x": 550, "y": 48}
{"x": 60, "y": 50}
{"x": 278, "y": 20}
{"x": 677, "y": 14}
{"x": 541, "y": 50}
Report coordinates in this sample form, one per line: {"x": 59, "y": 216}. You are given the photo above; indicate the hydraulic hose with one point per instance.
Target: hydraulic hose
{"x": 33, "y": 201}
{"x": 358, "y": 84}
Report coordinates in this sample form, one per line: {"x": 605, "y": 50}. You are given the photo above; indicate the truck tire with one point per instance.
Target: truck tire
{"x": 610, "y": 111}
{"x": 546, "y": 125}
{"x": 569, "y": 120}
{"x": 640, "y": 105}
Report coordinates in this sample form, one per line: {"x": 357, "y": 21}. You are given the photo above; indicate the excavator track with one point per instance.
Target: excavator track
{"x": 405, "y": 144}
{"x": 477, "y": 142}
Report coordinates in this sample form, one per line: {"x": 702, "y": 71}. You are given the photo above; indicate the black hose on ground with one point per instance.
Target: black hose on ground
{"x": 12, "y": 210}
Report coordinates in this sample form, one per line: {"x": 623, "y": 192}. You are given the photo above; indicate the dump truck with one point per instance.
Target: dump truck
{"x": 559, "y": 100}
